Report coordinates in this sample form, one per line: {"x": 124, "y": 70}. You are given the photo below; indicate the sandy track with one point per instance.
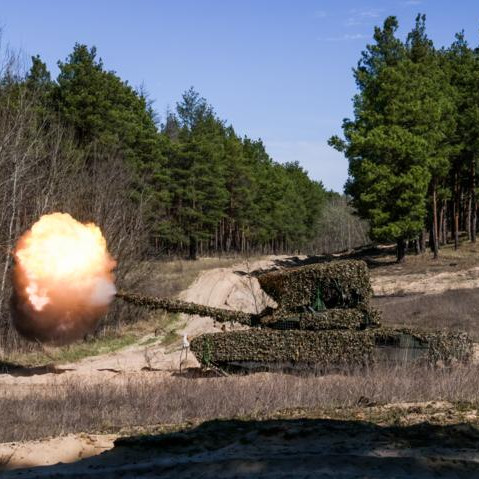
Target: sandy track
{"x": 65, "y": 449}
{"x": 430, "y": 283}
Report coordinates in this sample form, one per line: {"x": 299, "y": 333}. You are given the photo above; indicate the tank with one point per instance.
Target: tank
{"x": 323, "y": 320}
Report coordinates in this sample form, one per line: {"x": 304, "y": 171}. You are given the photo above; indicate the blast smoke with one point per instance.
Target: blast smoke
{"x": 62, "y": 278}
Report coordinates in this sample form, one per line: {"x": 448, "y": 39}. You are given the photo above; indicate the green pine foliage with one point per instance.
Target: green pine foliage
{"x": 199, "y": 186}
{"x": 388, "y": 159}
{"x": 411, "y": 144}
{"x": 227, "y": 194}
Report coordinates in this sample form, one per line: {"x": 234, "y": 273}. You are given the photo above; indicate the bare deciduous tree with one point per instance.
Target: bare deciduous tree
{"x": 42, "y": 170}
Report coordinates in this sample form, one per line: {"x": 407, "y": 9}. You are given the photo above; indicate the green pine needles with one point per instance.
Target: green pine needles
{"x": 412, "y": 157}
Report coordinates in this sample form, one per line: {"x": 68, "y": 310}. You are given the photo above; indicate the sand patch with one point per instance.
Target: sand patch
{"x": 47, "y": 452}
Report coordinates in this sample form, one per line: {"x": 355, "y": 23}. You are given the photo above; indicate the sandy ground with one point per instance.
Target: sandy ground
{"x": 65, "y": 449}
{"x": 419, "y": 283}
{"x": 311, "y": 449}
{"x": 300, "y": 447}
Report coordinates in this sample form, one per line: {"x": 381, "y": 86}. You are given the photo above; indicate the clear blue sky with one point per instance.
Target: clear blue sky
{"x": 277, "y": 70}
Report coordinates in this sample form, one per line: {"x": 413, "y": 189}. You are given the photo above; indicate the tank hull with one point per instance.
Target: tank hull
{"x": 259, "y": 349}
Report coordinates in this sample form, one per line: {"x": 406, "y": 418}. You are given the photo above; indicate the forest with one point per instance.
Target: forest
{"x": 199, "y": 187}
{"x": 413, "y": 141}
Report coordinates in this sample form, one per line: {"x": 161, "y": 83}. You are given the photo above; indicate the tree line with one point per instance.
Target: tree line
{"x": 202, "y": 187}
{"x": 413, "y": 141}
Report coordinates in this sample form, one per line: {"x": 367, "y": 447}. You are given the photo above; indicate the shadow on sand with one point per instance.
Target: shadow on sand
{"x": 19, "y": 370}
{"x": 300, "y": 448}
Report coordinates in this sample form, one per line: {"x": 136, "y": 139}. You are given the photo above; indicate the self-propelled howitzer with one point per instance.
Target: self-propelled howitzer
{"x": 323, "y": 319}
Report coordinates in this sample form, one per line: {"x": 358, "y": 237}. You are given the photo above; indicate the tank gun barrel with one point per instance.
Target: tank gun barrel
{"x": 177, "y": 306}
{"x": 358, "y": 318}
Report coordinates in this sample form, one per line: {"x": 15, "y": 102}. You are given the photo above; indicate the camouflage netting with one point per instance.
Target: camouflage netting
{"x": 269, "y": 346}
{"x": 332, "y": 348}
{"x": 339, "y": 284}
{"x": 353, "y": 318}
{"x": 434, "y": 347}
{"x": 178, "y": 306}
{"x": 323, "y": 319}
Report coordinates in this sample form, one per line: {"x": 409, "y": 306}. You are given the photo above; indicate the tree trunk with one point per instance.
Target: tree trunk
{"x": 401, "y": 250}
{"x": 444, "y": 223}
{"x": 456, "y": 212}
{"x": 473, "y": 201}
{"x": 193, "y": 248}
{"x": 422, "y": 240}
{"x": 435, "y": 243}
{"x": 441, "y": 238}
{"x": 469, "y": 217}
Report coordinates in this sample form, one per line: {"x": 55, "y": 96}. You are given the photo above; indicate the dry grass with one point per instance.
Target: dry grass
{"x": 455, "y": 310}
{"x": 449, "y": 260}
{"x": 152, "y": 399}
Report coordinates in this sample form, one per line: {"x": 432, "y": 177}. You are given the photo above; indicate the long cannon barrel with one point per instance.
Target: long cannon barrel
{"x": 178, "y": 306}
{"x": 357, "y": 318}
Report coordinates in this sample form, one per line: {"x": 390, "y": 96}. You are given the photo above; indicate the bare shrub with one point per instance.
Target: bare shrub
{"x": 340, "y": 228}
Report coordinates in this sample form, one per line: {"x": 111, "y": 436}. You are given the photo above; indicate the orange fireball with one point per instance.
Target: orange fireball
{"x": 63, "y": 279}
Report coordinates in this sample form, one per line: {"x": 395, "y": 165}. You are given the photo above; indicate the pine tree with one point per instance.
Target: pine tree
{"x": 388, "y": 157}
{"x": 197, "y": 192}
{"x": 234, "y": 228}
{"x": 109, "y": 115}
{"x": 38, "y": 76}
{"x": 431, "y": 114}
{"x": 105, "y": 110}
{"x": 462, "y": 64}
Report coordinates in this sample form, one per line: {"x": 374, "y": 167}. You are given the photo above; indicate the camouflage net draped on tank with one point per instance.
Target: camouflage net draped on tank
{"x": 339, "y": 284}
{"x": 354, "y": 319}
{"x": 178, "y": 306}
{"x": 280, "y": 347}
{"x": 336, "y": 348}
{"x": 438, "y": 346}
{"x": 323, "y": 319}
